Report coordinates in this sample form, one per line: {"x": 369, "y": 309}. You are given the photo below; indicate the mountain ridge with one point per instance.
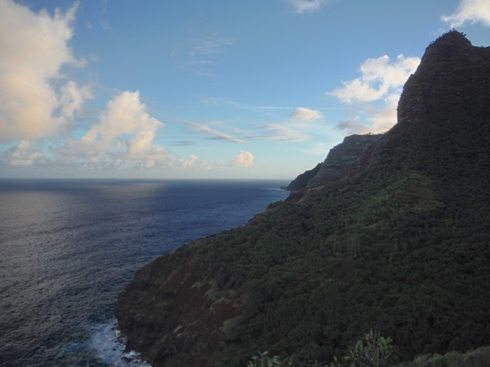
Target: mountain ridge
{"x": 400, "y": 246}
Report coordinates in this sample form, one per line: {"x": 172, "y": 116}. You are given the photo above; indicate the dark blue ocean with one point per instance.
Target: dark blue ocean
{"x": 68, "y": 247}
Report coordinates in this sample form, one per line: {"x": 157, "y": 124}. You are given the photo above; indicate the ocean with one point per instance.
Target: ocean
{"x": 68, "y": 247}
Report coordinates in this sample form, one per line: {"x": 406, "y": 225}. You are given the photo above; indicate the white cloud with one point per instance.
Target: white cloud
{"x": 381, "y": 82}
{"x": 307, "y": 6}
{"x": 123, "y": 138}
{"x": 385, "y": 117}
{"x": 379, "y": 77}
{"x": 73, "y": 96}
{"x": 123, "y": 135}
{"x": 35, "y": 99}
{"x": 124, "y": 115}
{"x": 26, "y": 153}
{"x": 382, "y": 118}
{"x": 306, "y": 114}
{"x": 472, "y": 11}
{"x": 244, "y": 159}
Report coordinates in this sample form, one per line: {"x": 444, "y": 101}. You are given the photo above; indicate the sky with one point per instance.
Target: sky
{"x": 215, "y": 89}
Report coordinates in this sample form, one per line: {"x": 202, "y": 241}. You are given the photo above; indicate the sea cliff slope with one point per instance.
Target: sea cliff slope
{"x": 400, "y": 246}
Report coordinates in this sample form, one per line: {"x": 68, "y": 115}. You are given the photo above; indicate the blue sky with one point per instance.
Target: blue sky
{"x": 206, "y": 89}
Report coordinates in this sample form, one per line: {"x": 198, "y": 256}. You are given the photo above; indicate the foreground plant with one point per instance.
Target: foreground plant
{"x": 372, "y": 350}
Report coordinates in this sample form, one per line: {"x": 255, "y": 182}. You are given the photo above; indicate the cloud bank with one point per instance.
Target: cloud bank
{"x": 36, "y": 99}
{"x": 39, "y": 103}
{"x": 470, "y": 11}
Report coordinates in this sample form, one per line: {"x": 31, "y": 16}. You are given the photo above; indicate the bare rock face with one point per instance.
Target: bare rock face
{"x": 340, "y": 159}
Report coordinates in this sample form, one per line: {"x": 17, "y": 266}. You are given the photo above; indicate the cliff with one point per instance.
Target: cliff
{"x": 340, "y": 159}
{"x": 302, "y": 180}
{"x": 400, "y": 246}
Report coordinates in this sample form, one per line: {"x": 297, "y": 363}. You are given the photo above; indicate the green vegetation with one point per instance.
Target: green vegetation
{"x": 376, "y": 351}
{"x": 400, "y": 245}
{"x": 403, "y": 247}
{"x": 474, "y": 358}
{"x": 405, "y": 252}
{"x": 371, "y": 351}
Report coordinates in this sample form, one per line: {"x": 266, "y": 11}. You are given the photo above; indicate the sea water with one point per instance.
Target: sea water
{"x": 68, "y": 247}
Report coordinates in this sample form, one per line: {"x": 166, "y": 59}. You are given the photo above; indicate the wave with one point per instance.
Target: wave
{"x": 108, "y": 346}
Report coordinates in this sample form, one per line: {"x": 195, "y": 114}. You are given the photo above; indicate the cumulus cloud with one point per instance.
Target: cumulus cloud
{"x": 244, "y": 159}
{"x": 123, "y": 138}
{"x": 379, "y": 77}
{"x": 307, "y": 6}
{"x": 381, "y": 81}
{"x": 124, "y": 115}
{"x": 36, "y": 100}
{"x": 306, "y": 114}
{"x": 39, "y": 103}
{"x": 471, "y": 11}
{"x": 124, "y": 128}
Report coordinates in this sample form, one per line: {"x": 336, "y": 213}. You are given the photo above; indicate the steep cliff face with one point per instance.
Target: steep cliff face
{"x": 302, "y": 180}
{"x": 340, "y": 158}
{"x": 402, "y": 246}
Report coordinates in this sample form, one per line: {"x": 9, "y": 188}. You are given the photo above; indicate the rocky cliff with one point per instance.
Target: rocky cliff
{"x": 340, "y": 158}
{"x": 302, "y": 180}
{"x": 401, "y": 246}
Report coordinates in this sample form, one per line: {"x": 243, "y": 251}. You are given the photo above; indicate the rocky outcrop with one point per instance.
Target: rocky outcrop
{"x": 340, "y": 158}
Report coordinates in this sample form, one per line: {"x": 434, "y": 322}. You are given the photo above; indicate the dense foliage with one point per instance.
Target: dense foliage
{"x": 400, "y": 252}
{"x": 474, "y": 358}
{"x": 400, "y": 244}
{"x": 371, "y": 351}
{"x": 403, "y": 247}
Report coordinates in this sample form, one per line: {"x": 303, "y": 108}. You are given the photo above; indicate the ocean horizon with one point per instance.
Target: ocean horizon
{"x": 69, "y": 246}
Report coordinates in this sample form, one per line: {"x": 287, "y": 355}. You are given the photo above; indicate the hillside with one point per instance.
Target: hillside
{"x": 302, "y": 180}
{"x": 401, "y": 246}
{"x": 339, "y": 161}
{"x": 341, "y": 158}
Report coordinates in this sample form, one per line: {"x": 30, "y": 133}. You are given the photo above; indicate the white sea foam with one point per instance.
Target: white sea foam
{"x": 108, "y": 345}
{"x": 274, "y": 189}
